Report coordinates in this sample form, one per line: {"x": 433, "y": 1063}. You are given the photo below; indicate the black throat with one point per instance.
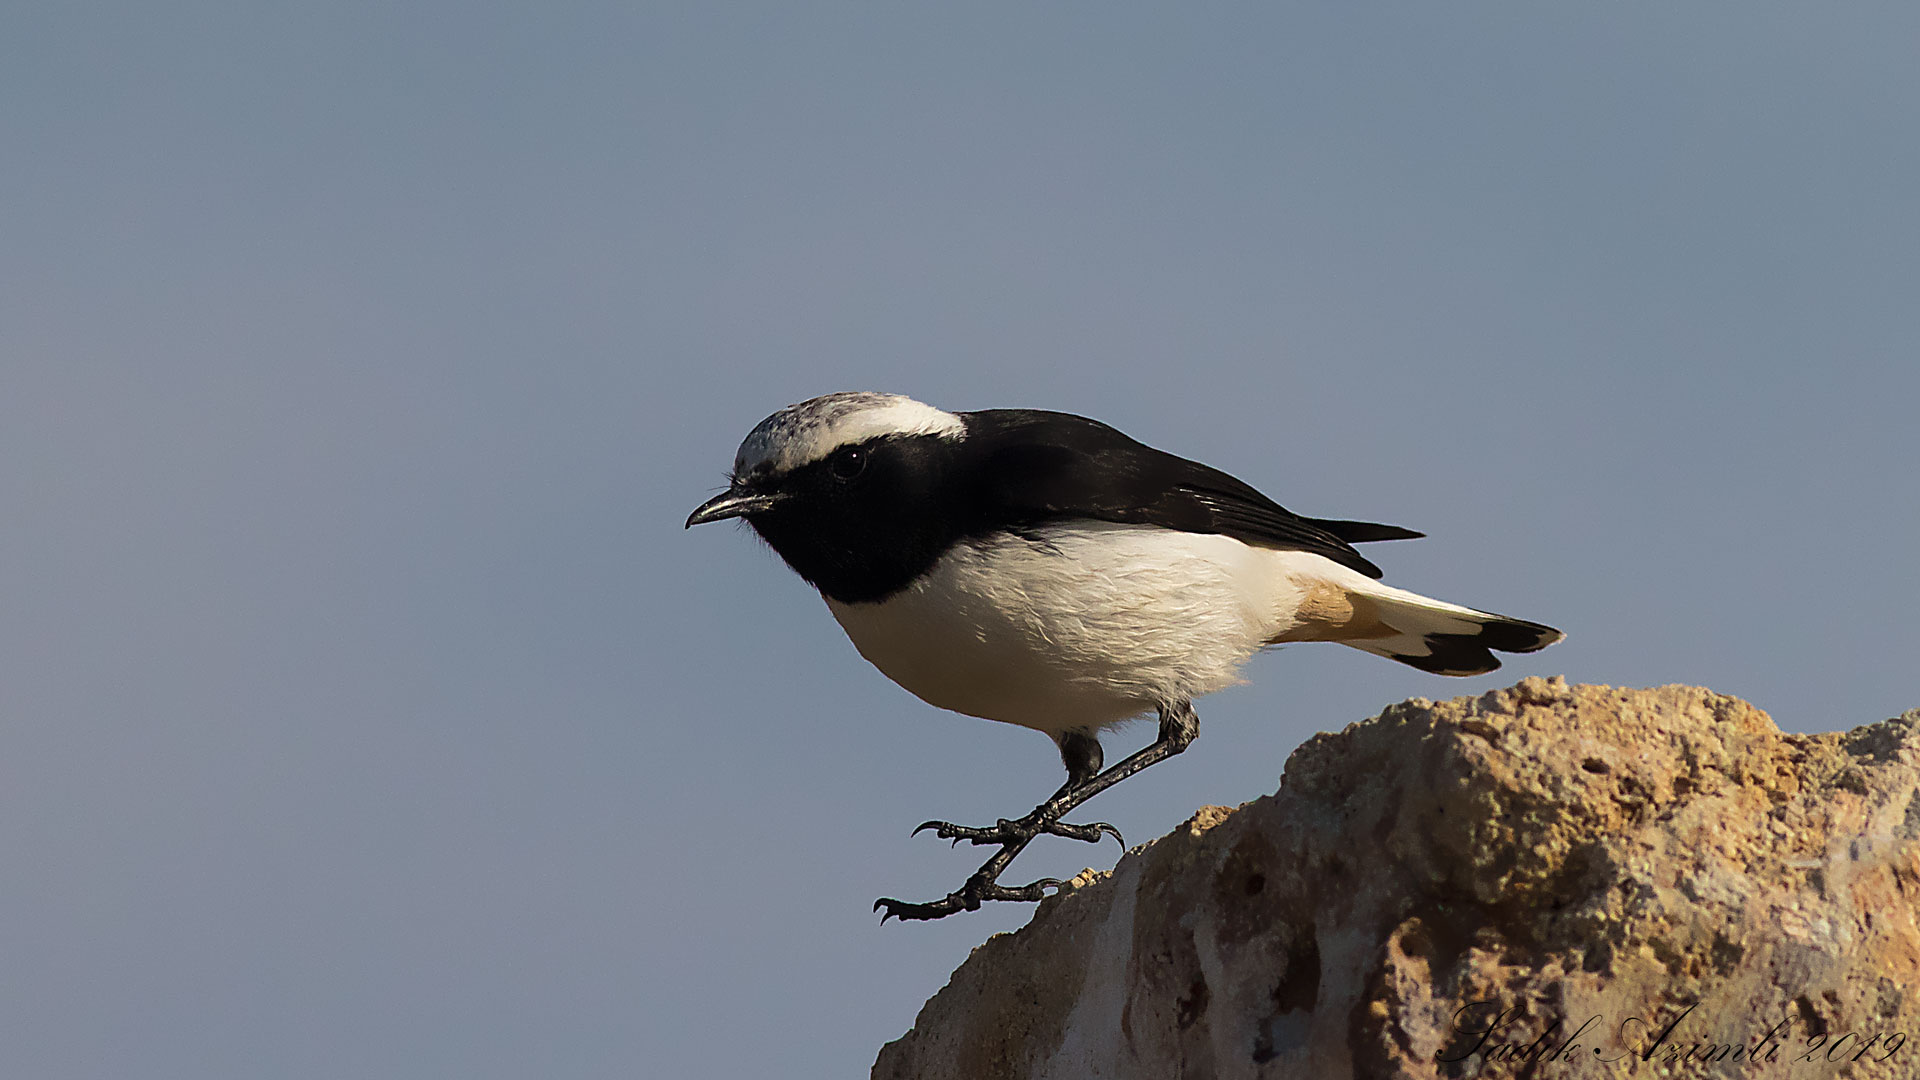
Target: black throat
{"x": 864, "y": 538}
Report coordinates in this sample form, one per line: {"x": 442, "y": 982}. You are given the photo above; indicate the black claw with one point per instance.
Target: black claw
{"x": 938, "y": 909}
{"x": 1029, "y": 893}
{"x": 1006, "y": 832}
{"x": 976, "y": 891}
{"x": 1089, "y": 833}
{"x": 894, "y": 909}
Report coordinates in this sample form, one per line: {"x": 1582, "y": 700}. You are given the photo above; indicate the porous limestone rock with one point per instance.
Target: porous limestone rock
{"x": 1544, "y": 881}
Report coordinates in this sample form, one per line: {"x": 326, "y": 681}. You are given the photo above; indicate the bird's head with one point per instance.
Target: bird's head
{"x": 851, "y": 489}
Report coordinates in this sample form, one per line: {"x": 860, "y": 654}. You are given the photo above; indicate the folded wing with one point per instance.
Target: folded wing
{"x": 1036, "y": 467}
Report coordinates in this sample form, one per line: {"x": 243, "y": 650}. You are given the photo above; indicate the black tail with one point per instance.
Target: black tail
{"x": 1449, "y": 640}
{"x": 1472, "y": 653}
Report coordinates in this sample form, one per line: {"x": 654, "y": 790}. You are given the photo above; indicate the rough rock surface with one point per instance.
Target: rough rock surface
{"x": 1631, "y": 860}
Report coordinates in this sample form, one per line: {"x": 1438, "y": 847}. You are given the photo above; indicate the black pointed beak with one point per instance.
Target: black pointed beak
{"x": 733, "y": 503}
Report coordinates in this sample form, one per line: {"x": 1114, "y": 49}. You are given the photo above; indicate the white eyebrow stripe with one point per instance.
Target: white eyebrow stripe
{"x": 810, "y": 430}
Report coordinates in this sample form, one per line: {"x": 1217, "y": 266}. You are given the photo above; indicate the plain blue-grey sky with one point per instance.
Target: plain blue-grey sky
{"x": 367, "y": 712}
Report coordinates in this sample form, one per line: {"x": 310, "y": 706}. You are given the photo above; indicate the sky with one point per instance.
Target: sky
{"x": 367, "y": 711}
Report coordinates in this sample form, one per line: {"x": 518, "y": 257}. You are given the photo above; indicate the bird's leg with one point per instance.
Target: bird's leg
{"x": 1179, "y": 725}
{"x": 1080, "y": 753}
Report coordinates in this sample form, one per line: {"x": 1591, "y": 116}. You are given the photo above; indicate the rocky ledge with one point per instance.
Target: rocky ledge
{"x": 1545, "y": 881}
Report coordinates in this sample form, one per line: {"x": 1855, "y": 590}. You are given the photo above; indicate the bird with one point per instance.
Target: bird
{"x": 1043, "y": 569}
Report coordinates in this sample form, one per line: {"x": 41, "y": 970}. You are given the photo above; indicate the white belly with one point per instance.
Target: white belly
{"x": 1081, "y": 626}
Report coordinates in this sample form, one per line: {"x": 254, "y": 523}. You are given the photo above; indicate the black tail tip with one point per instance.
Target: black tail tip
{"x": 1452, "y": 654}
{"x": 1472, "y": 654}
{"x": 1517, "y": 635}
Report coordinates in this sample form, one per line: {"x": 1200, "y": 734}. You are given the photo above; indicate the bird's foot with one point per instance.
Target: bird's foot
{"x": 1021, "y": 831}
{"x": 969, "y": 898}
{"x": 1012, "y": 837}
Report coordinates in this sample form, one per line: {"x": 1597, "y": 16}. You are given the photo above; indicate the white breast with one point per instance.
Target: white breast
{"x": 1078, "y": 626}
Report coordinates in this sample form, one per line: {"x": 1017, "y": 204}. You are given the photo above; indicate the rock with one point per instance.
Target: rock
{"x": 1455, "y": 889}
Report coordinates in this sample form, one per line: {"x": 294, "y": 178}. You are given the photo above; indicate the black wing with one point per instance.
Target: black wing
{"x": 1036, "y": 467}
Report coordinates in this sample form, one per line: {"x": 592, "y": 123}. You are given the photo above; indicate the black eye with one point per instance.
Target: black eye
{"x": 848, "y": 462}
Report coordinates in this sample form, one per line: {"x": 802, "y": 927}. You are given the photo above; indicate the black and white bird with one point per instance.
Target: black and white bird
{"x": 1043, "y": 569}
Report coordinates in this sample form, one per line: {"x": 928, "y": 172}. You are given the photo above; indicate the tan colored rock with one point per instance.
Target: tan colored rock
{"x": 1643, "y": 858}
